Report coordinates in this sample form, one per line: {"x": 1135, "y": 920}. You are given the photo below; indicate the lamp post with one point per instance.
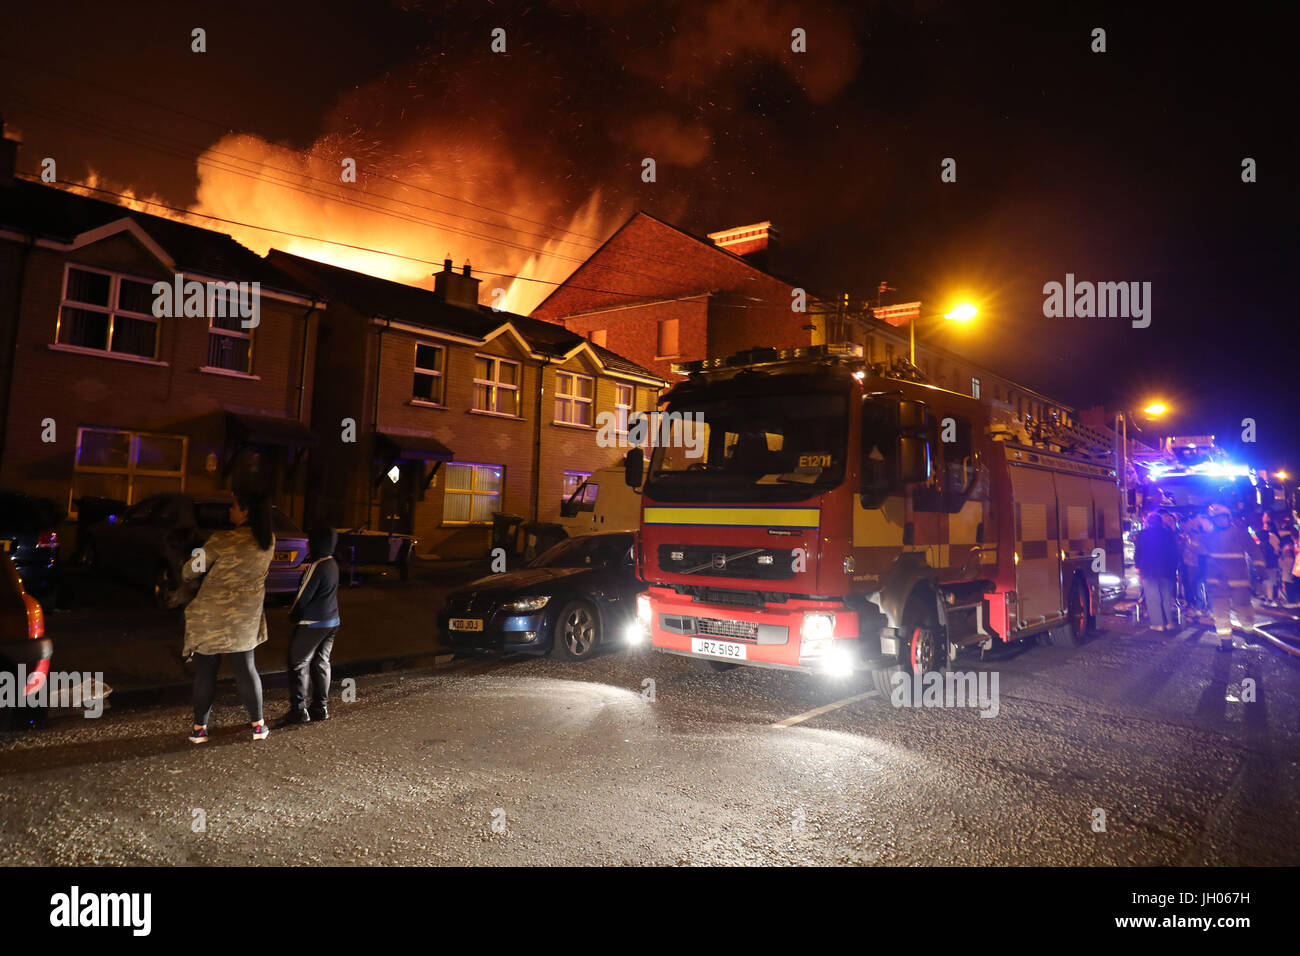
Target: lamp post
{"x": 962, "y": 313}
{"x": 1154, "y": 410}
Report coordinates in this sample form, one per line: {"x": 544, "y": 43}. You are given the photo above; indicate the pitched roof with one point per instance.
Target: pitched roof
{"x": 614, "y": 271}
{"x": 413, "y": 305}
{"x": 62, "y": 216}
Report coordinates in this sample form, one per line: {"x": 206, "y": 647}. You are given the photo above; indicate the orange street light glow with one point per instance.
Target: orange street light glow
{"x": 1155, "y": 408}
{"x": 963, "y": 313}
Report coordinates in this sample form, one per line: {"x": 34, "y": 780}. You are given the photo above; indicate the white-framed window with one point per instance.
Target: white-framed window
{"x": 472, "y": 492}
{"x": 975, "y": 388}
{"x": 496, "y": 385}
{"x": 574, "y": 397}
{"x": 571, "y": 482}
{"x": 428, "y": 373}
{"x": 127, "y": 465}
{"x": 107, "y": 312}
{"x": 624, "y": 396}
{"x": 230, "y": 345}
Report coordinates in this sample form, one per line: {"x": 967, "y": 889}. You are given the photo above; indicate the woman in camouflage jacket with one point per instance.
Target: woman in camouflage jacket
{"x": 226, "y": 619}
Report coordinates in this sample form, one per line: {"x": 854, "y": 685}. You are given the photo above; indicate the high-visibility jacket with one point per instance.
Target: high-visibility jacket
{"x": 1225, "y": 550}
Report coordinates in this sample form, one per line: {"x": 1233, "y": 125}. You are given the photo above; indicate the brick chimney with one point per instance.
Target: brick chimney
{"x": 753, "y": 243}
{"x": 10, "y": 140}
{"x": 458, "y": 289}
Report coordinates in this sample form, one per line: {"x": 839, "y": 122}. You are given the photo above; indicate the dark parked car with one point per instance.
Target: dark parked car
{"x": 24, "y": 648}
{"x": 30, "y": 525}
{"x": 148, "y": 543}
{"x": 572, "y": 598}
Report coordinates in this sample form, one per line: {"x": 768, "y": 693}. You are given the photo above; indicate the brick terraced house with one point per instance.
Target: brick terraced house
{"x": 432, "y": 412}
{"x": 102, "y": 398}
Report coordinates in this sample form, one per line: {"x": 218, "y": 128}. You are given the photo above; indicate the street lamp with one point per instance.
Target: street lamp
{"x": 1153, "y": 410}
{"x": 964, "y": 312}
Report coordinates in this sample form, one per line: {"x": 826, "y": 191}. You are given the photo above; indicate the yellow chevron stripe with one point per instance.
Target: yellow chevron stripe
{"x": 737, "y": 517}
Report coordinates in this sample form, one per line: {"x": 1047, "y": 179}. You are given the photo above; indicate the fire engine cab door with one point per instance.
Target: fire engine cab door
{"x": 1038, "y": 575}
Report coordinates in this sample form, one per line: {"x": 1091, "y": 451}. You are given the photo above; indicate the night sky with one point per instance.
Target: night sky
{"x": 1115, "y": 166}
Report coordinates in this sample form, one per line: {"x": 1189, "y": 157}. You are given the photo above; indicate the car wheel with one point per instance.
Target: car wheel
{"x": 18, "y": 718}
{"x": 577, "y": 631}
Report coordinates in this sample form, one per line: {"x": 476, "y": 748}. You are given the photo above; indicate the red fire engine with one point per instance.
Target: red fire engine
{"x": 802, "y": 509}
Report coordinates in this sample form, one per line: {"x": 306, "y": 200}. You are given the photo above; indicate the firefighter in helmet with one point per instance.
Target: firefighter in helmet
{"x": 1227, "y": 574}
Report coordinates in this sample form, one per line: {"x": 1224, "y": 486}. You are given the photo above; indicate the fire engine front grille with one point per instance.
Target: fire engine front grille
{"x": 736, "y": 630}
{"x": 715, "y": 561}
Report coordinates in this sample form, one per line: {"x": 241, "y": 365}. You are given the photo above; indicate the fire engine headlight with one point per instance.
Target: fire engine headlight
{"x": 1108, "y": 580}
{"x": 817, "y": 632}
{"x": 643, "y": 609}
{"x": 634, "y": 634}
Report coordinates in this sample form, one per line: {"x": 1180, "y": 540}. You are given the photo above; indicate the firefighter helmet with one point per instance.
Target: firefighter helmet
{"x": 1217, "y": 509}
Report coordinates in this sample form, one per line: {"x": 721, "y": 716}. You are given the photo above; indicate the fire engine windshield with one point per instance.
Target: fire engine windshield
{"x": 749, "y": 447}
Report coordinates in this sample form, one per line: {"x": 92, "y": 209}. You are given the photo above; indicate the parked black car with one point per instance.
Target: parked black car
{"x": 30, "y": 525}
{"x": 571, "y": 599}
{"x": 147, "y": 543}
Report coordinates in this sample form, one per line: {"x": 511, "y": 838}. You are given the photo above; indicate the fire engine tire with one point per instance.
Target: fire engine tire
{"x": 923, "y": 651}
{"x": 1075, "y": 628}
{"x": 882, "y": 679}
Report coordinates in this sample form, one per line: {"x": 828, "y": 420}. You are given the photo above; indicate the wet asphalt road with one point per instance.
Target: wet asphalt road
{"x": 530, "y": 761}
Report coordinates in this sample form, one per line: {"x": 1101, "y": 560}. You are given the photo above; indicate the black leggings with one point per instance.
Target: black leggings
{"x": 247, "y": 683}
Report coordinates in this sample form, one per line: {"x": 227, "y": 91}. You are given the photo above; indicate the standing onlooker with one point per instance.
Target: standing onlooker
{"x": 315, "y": 612}
{"x": 1271, "y": 545}
{"x": 1156, "y": 557}
{"x": 1189, "y": 541}
{"x": 226, "y": 619}
{"x": 1287, "y": 561}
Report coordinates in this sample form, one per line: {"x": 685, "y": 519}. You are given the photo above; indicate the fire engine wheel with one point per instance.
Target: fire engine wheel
{"x": 1075, "y": 628}
{"x": 923, "y": 653}
{"x": 577, "y": 632}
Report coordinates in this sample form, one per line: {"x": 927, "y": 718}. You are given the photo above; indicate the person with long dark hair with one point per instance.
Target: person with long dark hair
{"x": 226, "y": 619}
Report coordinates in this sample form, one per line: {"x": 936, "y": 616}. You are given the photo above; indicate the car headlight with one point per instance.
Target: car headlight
{"x": 529, "y": 603}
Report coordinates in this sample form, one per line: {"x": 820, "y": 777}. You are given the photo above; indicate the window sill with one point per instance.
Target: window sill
{"x": 100, "y": 353}
{"x": 228, "y": 373}
{"x": 579, "y": 427}
{"x": 423, "y": 403}
{"x": 479, "y": 411}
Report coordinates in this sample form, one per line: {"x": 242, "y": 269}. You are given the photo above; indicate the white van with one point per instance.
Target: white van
{"x": 603, "y": 502}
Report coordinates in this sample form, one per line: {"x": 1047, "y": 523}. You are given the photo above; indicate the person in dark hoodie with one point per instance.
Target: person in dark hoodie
{"x": 1156, "y": 557}
{"x": 315, "y": 614}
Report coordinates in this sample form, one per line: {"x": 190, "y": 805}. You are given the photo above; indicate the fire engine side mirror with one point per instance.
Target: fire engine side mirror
{"x": 913, "y": 459}
{"x": 634, "y": 467}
